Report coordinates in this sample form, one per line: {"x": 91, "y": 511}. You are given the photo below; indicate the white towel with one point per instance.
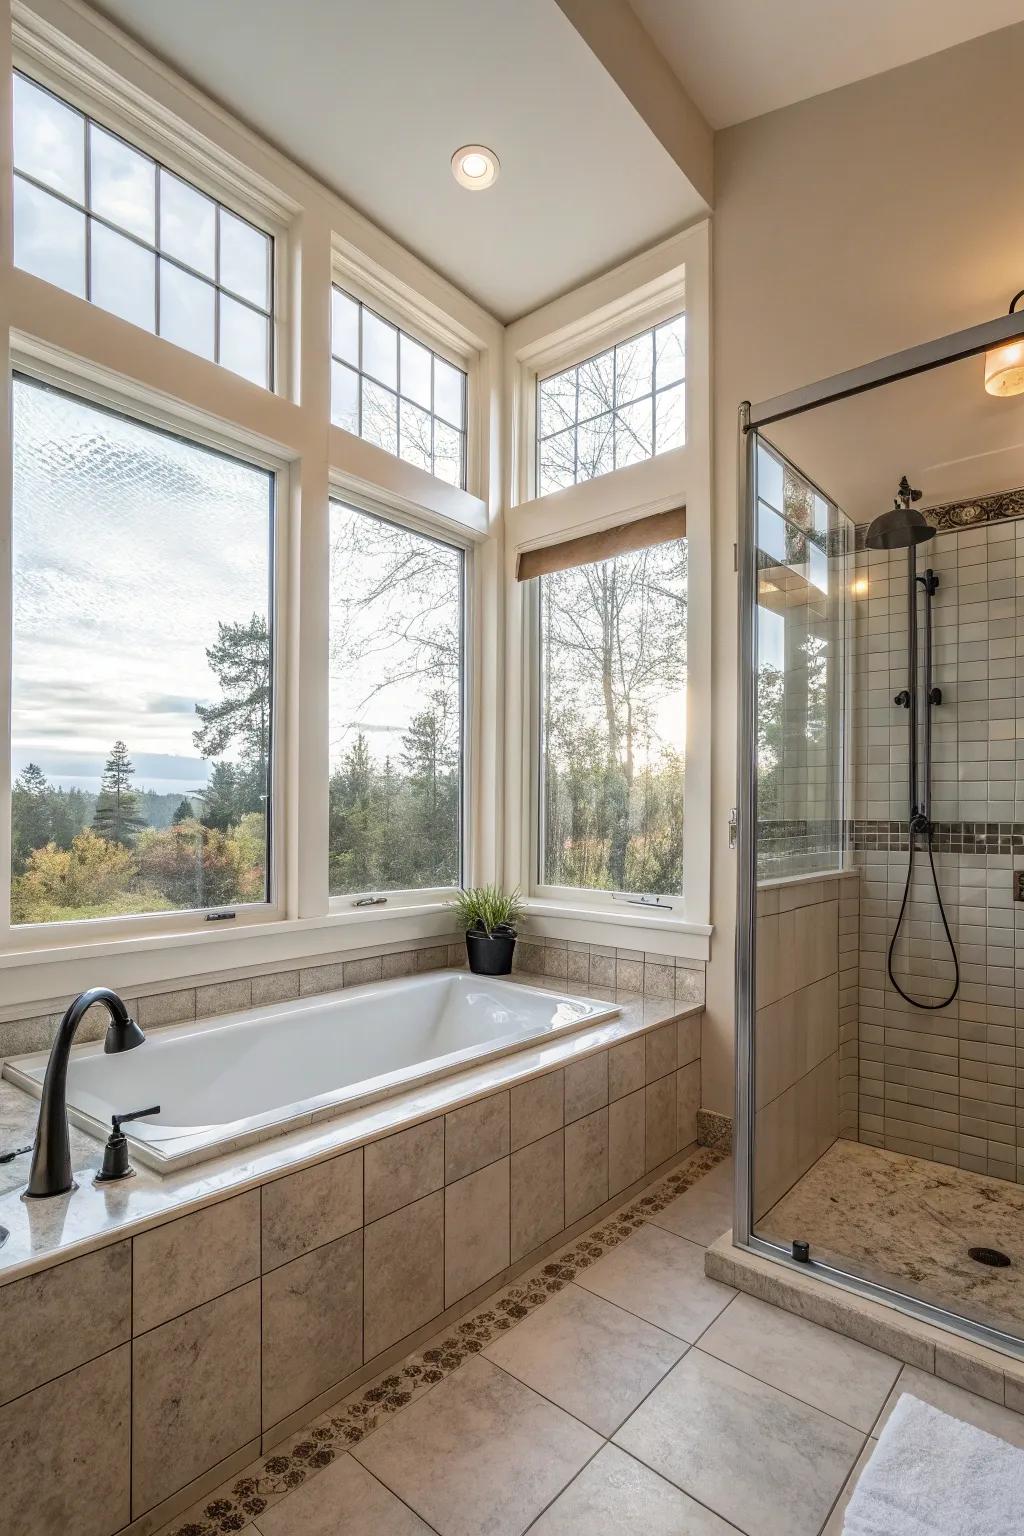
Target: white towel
{"x": 931, "y": 1475}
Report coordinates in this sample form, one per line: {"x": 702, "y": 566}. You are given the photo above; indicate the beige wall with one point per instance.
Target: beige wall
{"x": 846, "y": 227}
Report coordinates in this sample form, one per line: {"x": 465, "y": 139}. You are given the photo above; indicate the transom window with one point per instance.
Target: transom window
{"x": 396, "y": 691}
{"x": 142, "y": 695}
{"x": 102, "y": 220}
{"x": 624, "y": 405}
{"x": 390, "y": 389}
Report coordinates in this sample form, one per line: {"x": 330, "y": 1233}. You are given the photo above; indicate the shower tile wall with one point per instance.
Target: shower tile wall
{"x": 947, "y": 1084}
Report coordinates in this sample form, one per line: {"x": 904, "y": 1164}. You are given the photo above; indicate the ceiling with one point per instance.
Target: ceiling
{"x": 739, "y": 58}
{"x": 373, "y": 98}
{"x": 953, "y": 441}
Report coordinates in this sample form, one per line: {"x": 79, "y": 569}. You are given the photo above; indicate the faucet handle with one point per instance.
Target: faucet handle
{"x": 133, "y": 1114}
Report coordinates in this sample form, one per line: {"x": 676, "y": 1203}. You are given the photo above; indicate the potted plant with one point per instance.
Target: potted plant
{"x": 489, "y": 918}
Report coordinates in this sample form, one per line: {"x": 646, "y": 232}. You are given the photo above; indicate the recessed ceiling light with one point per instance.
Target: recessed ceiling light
{"x": 475, "y": 166}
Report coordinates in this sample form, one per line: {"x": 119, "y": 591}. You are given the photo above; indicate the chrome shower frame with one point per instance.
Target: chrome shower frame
{"x": 887, "y": 370}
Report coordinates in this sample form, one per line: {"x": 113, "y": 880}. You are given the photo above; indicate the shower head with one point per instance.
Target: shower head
{"x": 903, "y": 525}
{"x": 898, "y": 528}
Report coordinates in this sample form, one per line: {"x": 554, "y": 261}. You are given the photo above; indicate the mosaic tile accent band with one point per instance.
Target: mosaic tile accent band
{"x": 1000, "y": 837}
{"x": 953, "y": 515}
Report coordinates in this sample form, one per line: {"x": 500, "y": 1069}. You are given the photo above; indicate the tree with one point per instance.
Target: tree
{"x": 116, "y": 815}
{"x": 91, "y": 878}
{"x": 30, "y": 813}
{"x": 240, "y": 661}
{"x": 183, "y": 812}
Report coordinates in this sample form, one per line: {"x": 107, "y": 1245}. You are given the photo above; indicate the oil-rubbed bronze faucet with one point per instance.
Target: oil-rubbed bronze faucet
{"x": 51, "y": 1156}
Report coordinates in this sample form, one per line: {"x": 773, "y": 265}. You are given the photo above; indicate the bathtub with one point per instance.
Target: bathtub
{"x": 244, "y": 1077}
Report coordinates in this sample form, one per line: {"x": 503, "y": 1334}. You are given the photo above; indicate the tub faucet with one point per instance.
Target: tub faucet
{"x": 51, "y": 1156}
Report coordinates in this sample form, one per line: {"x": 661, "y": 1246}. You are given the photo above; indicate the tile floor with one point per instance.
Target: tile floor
{"x": 896, "y": 1218}
{"x": 640, "y": 1396}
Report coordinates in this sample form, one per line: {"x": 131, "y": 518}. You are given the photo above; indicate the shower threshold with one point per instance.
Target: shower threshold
{"x": 907, "y": 1224}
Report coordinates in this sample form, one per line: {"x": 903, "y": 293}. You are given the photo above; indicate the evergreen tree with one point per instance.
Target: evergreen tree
{"x": 240, "y": 661}
{"x": 30, "y": 814}
{"x": 116, "y": 816}
{"x": 184, "y": 812}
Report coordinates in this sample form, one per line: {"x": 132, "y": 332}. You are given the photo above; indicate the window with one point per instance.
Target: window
{"x": 396, "y": 681}
{"x": 612, "y": 707}
{"x": 142, "y": 693}
{"x": 624, "y": 405}
{"x": 391, "y": 390}
{"x": 97, "y": 217}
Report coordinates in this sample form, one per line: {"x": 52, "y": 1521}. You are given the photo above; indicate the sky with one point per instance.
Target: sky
{"x": 129, "y": 546}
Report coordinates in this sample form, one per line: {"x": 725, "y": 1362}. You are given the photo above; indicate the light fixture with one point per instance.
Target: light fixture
{"x": 475, "y": 166}
{"x": 1004, "y": 366}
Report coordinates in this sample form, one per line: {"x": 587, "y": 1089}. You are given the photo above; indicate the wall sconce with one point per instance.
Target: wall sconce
{"x": 1004, "y": 366}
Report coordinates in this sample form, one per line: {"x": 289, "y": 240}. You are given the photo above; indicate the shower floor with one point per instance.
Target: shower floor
{"x": 903, "y": 1222}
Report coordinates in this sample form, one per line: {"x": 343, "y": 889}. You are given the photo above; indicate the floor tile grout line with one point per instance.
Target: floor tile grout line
{"x": 564, "y": 1489}
{"x": 842, "y": 1489}
{"x": 783, "y": 1392}
{"x": 679, "y": 1488}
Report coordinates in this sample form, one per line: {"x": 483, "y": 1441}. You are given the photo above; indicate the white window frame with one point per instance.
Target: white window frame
{"x": 77, "y": 345}
{"x": 672, "y": 278}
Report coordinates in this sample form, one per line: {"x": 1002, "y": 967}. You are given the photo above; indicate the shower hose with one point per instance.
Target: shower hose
{"x": 918, "y": 825}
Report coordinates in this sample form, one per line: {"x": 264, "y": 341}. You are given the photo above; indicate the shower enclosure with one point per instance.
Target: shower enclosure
{"x": 879, "y": 1132}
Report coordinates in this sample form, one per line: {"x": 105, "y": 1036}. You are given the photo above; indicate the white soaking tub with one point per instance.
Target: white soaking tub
{"x": 244, "y": 1077}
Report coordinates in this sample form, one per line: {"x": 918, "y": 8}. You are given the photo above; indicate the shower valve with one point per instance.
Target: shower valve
{"x": 903, "y": 698}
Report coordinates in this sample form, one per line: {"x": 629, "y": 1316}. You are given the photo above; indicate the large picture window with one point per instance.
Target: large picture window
{"x": 618, "y": 408}
{"x": 390, "y": 389}
{"x": 612, "y": 718}
{"x": 142, "y": 681}
{"x": 96, "y": 216}
{"x": 396, "y": 733}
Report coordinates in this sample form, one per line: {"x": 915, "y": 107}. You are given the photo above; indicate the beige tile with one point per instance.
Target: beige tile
{"x": 687, "y": 1039}
{"x": 403, "y": 1168}
{"x": 586, "y": 1165}
{"x": 64, "y": 1450}
{"x": 661, "y": 1278}
{"x": 752, "y": 1454}
{"x": 602, "y": 970}
{"x": 537, "y": 1108}
{"x": 626, "y": 1067}
{"x": 845, "y": 1379}
{"x": 660, "y": 1111}
{"x": 537, "y": 1174}
{"x": 64, "y": 1316}
{"x": 223, "y": 997}
{"x": 195, "y": 1394}
{"x": 314, "y": 979}
{"x": 359, "y": 972}
{"x": 617, "y": 1496}
{"x": 312, "y": 1325}
{"x": 975, "y": 1410}
{"x": 404, "y": 1268}
{"x": 588, "y": 1356}
{"x": 314, "y": 1206}
{"x": 432, "y": 958}
{"x": 586, "y": 1086}
{"x": 343, "y": 1500}
{"x": 972, "y": 1367}
{"x": 166, "y": 1008}
{"x": 660, "y": 1052}
{"x": 687, "y": 1104}
{"x": 690, "y": 985}
{"x": 479, "y": 1454}
{"x": 402, "y": 963}
{"x": 704, "y": 1211}
{"x": 836, "y": 1520}
{"x": 629, "y": 975}
{"x": 659, "y": 980}
{"x": 278, "y": 987}
{"x": 183, "y": 1263}
{"x": 476, "y": 1229}
{"x": 475, "y": 1135}
{"x": 555, "y": 962}
{"x": 626, "y": 1135}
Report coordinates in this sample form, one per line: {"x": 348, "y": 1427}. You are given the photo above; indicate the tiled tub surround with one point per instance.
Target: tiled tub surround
{"x": 947, "y": 1084}
{"x": 222, "y": 1309}
{"x": 804, "y": 1027}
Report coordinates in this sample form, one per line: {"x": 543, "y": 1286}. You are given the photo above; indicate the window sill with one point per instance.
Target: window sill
{"x": 34, "y": 978}
{"x": 621, "y": 930}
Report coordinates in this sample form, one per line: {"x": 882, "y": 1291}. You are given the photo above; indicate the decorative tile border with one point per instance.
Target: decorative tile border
{"x": 241, "y": 1500}
{"x": 1002, "y": 837}
{"x": 714, "y": 1130}
{"x": 1001, "y": 507}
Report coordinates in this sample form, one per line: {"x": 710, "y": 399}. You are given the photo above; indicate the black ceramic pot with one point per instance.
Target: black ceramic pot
{"x": 490, "y": 954}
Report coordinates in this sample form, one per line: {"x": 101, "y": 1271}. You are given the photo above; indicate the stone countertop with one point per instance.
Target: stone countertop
{"x": 44, "y": 1232}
